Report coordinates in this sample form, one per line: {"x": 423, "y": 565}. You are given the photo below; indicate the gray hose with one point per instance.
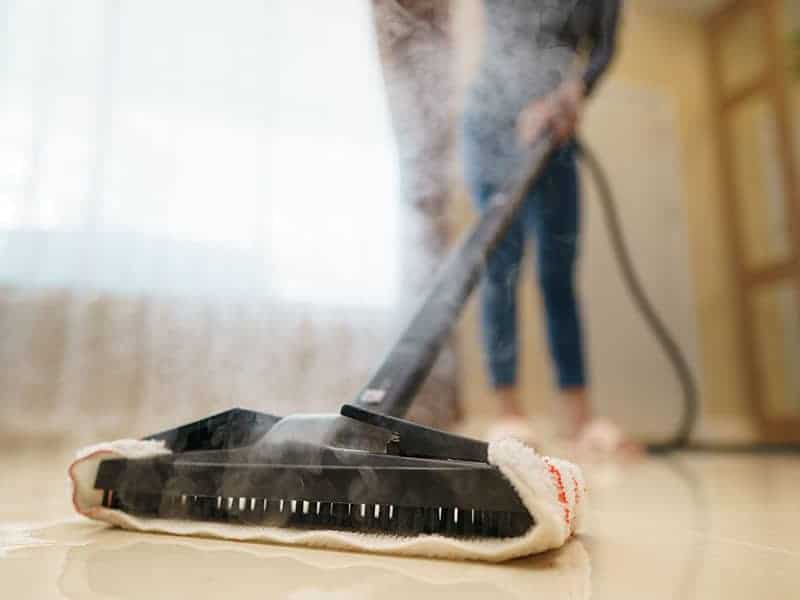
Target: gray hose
{"x": 681, "y": 439}
{"x": 619, "y": 247}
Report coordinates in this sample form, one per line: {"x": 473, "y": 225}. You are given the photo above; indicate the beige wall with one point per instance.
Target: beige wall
{"x": 666, "y": 56}
{"x": 669, "y": 55}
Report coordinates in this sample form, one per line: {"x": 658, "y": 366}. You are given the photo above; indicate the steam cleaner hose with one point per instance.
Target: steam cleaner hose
{"x": 681, "y": 439}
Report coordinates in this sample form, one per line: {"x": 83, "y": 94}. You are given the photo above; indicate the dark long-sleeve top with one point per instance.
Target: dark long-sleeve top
{"x": 602, "y": 35}
{"x": 530, "y": 47}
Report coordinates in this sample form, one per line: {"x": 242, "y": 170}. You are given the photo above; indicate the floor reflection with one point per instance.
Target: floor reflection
{"x": 117, "y": 564}
{"x": 689, "y": 526}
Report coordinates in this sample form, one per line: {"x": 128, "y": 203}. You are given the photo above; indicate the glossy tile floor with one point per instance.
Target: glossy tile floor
{"x": 692, "y": 526}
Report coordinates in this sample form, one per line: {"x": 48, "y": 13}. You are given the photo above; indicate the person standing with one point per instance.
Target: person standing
{"x": 527, "y": 84}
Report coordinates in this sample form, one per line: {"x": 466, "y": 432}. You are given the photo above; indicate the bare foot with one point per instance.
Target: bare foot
{"x": 508, "y": 402}
{"x": 575, "y": 411}
{"x": 512, "y": 423}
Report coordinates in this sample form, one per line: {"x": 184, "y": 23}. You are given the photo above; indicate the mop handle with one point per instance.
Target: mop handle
{"x": 395, "y": 382}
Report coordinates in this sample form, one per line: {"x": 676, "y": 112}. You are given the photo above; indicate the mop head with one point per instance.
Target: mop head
{"x": 553, "y": 491}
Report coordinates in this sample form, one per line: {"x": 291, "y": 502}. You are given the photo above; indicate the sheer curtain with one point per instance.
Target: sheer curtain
{"x": 198, "y": 208}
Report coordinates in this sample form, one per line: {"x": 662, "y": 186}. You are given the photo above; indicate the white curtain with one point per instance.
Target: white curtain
{"x": 198, "y": 208}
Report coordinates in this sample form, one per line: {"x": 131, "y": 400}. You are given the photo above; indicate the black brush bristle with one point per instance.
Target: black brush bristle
{"x": 456, "y": 522}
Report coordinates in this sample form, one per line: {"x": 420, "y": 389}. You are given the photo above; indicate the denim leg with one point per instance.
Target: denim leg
{"x": 554, "y": 216}
{"x": 499, "y": 301}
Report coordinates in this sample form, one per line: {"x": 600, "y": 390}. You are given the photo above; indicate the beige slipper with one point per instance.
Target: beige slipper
{"x": 517, "y": 428}
{"x": 602, "y": 437}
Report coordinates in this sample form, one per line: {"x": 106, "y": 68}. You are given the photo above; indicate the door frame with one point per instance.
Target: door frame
{"x": 773, "y": 84}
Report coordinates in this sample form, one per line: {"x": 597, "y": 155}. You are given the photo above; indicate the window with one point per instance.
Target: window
{"x": 195, "y": 147}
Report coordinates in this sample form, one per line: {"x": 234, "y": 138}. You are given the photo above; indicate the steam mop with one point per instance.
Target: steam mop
{"x": 330, "y": 479}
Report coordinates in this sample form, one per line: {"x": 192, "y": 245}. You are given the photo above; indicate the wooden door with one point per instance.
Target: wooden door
{"x": 756, "y": 100}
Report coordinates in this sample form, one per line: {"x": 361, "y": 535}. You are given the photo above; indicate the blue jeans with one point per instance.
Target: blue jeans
{"x": 551, "y": 215}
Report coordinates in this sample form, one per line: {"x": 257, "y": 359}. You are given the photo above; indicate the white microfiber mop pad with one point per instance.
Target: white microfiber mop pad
{"x": 552, "y": 490}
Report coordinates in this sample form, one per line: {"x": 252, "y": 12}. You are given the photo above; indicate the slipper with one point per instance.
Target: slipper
{"x": 517, "y": 428}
